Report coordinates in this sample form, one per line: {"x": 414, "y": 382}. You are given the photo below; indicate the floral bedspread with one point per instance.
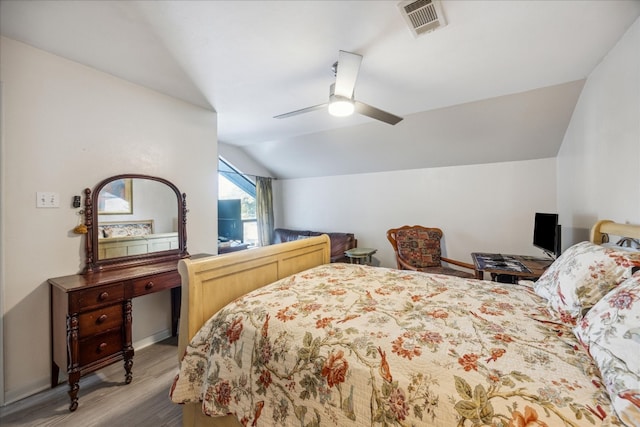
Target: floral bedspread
{"x": 344, "y": 344}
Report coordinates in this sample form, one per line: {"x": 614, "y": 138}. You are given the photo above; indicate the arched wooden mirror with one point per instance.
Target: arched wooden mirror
{"x": 133, "y": 220}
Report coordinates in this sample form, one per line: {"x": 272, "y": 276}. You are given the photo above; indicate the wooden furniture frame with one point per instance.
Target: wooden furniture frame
{"x": 91, "y": 318}
{"x": 403, "y": 265}
{"x": 94, "y": 263}
{"x": 91, "y": 312}
{"x": 128, "y": 246}
{"x": 602, "y": 229}
{"x": 536, "y": 266}
{"x": 208, "y": 284}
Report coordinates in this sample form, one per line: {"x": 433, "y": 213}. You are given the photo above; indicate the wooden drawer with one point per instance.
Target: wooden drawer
{"x": 155, "y": 283}
{"x": 100, "y": 320}
{"x": 100, "y": 346}
{"x": 95, "y": 297}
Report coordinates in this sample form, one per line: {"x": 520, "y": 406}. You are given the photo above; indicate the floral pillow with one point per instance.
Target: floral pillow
{"x": 610, "y": 331}
{"x": 581, "y": 276}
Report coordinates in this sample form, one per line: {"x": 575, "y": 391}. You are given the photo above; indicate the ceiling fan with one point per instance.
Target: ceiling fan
{"x": 341, "y": 102}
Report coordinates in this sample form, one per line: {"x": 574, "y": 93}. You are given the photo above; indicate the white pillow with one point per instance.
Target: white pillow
{"x": 615, "y": 246}
{"x": 610, "y": 332}
{"x": 581, "y": 276}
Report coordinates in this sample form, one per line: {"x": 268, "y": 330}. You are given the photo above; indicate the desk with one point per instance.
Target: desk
{"x": 360, "y": 255}
{"x": 516, "y": 266}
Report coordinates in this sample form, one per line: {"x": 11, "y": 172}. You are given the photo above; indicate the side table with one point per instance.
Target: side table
{"x": 360, "y": 255}
{"x": 516, "y": 267}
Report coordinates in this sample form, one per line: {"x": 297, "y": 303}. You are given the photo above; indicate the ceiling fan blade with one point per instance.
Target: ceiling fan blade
{"x": 301, "y": 111}
{"x": 375, "y": 113}
{"x": 347, "y": 73}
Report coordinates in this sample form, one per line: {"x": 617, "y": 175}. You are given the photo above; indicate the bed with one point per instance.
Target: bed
{"x": 126, "y": 238}
{"x": 313, "y": 344}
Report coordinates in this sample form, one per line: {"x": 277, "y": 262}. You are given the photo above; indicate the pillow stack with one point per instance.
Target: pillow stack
{"x": 610, "y": 332}
{"x": 594, "y": 288}
{"x": 581, "y": 276}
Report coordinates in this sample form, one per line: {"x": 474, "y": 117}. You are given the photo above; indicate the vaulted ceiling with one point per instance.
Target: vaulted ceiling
{"x": 499, "y": 82}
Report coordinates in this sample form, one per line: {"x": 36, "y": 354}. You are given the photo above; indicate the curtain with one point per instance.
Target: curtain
{"x": 264, "y": 210}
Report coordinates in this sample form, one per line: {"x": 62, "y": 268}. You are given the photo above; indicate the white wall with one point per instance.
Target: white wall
{"x": 490, "y": 207}
{"x": 599, "y": 160}
{"x": 67, "y": 127}
{"x": 486, "y": 207}
{"x": 237, "y": 158}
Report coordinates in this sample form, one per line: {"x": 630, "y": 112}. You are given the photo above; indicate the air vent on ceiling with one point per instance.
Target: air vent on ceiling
{"x": 422, "y": 16}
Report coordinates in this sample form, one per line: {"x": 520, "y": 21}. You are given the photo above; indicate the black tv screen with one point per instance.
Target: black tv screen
{"x": 229, "y": 209}
{"x": 546, "y": 233}
{"x": 230, "y": 225}
{"x": 230, "y": 229}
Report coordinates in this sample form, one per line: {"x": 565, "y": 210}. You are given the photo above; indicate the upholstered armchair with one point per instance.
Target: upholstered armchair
{"x": 418, "y": 248}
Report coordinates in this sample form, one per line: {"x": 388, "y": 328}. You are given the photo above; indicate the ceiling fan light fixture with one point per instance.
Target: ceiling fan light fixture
{"x": 340, "y": 106}
{"x": 341, "y": 101}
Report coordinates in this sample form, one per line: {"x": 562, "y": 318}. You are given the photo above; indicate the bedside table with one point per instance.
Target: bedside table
{"x": 360, "y": 255}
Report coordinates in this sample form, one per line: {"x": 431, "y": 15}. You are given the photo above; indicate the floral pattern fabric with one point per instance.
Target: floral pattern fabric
{"x": 581, "y": 276}
{"x": 141, "y": 228}
{"x": 344, "y": 344}
{"x": 611, "y": 333}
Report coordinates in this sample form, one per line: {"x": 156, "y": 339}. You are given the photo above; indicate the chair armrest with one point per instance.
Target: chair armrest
{"x": 458, "y": 263}
{"x": 405, "y": 266}
{"x": 402, "y": 265}
{"x": 479, "y": 274}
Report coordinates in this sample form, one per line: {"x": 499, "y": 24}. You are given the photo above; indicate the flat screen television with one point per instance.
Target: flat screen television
{"x": 230, "y": 225}
{"x": 546, "y": 233}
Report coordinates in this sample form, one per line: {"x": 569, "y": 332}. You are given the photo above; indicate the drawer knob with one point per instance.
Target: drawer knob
{"x": 101, "y": 347}
{"x": 101, "y": 319}
{"x": 103, "y": 296}
{"x": 148, "y": 286}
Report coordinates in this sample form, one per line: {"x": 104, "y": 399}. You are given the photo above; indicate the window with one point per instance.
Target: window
{"x": 232, "y": 184}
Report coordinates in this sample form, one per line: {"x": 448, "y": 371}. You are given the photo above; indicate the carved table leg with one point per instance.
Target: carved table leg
{"x": 128, "y": 376}
{"x": 73, "y": 370}
{"x": 128, "y": 346}
{"x": 74, "y": 387}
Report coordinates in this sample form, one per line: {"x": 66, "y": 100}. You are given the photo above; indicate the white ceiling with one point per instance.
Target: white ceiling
{"x": 498, "y": 83}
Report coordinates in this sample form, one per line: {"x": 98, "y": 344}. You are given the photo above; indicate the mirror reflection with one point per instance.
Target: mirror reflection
{"x": 136, "y": 216}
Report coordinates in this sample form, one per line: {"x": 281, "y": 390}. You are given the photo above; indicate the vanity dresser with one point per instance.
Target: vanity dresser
{"x": 91, "y": 312}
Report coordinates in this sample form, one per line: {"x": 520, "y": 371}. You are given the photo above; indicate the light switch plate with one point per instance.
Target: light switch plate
{"x": 47, "y": 199}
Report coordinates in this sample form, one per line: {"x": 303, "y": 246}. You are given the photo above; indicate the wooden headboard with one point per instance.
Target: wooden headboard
{"x": 602, "y": 229}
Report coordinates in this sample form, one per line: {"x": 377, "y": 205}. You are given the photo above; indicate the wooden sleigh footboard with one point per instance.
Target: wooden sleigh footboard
{"x": 208, "y": 284}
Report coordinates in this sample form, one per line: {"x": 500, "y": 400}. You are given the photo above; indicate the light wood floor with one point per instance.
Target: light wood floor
{"x": 104, "y": 398}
